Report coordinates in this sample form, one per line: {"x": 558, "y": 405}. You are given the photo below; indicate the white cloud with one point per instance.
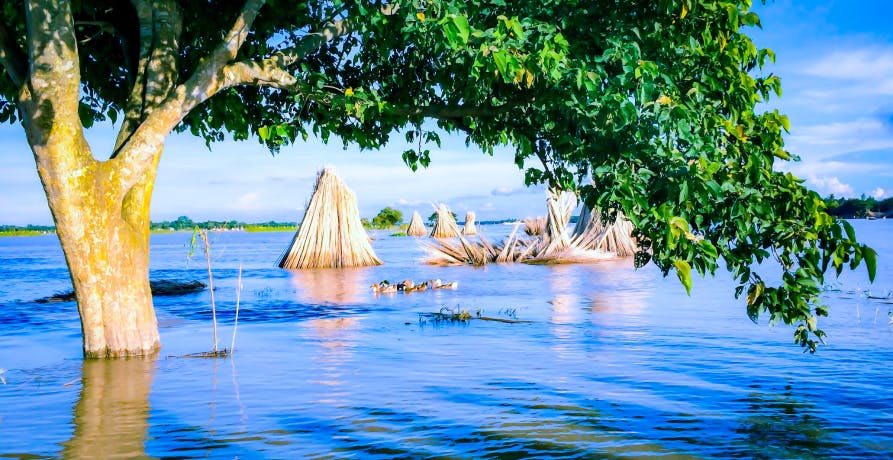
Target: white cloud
{"x": 503, "y": 191}
{"x": 867, "y": 64}
{"x": 878, "y": 193}
{"x": 831, "y": 186}
{"x": 821, "y": 141}
{"x": 405, "y": 202}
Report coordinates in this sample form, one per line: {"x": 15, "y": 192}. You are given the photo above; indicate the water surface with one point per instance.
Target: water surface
{"x": 613, "y": 362}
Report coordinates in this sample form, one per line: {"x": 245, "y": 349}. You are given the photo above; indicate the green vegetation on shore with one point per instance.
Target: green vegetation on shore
{"x": 182, "y": 223}
{"x": 859, "y": 208}
{"x": 270, "y": 227}
{"x": 28, "y": 230}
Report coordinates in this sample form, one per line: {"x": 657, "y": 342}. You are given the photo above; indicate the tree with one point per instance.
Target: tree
{"x": 655, "y": 100}
{"x": 387, "y": 218}
{"x": 853, "y": 208}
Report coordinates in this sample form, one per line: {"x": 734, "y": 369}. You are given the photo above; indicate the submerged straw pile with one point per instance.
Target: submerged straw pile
{"x": 592, "y": 232}
{"x": 534, "y": 226}
{"x": 591, "y": 240}
{"x": 469, "y": 228}
{"x": 331, "y": 234}
{"x": 445, "y": 225}
{"x": 416, "y": 227}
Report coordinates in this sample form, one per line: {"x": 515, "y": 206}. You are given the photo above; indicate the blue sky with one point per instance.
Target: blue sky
{"x": 836, "y": 63}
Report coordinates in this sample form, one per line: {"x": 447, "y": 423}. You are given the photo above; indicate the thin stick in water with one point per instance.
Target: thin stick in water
{"x": 204, "y": 235}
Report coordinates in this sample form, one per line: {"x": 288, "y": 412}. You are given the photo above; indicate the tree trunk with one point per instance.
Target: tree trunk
{"x": 104, "y": 232}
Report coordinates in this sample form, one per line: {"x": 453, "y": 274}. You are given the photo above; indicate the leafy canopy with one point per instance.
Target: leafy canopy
{"x": 644, "y": 106}
{"x": 387, "y": 218}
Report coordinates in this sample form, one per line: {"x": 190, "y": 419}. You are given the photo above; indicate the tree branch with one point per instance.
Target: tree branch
{"x": 313, "y": 41}
{"x": 310, "y": 43}
{"x": 139, "y": 149}
{"x": 12, "y": 57}
{"x": 234, "y": 39}
{"x": 264, "y": 73}
{"x": 160, "y": 25}
{"x": 50, "y": 95}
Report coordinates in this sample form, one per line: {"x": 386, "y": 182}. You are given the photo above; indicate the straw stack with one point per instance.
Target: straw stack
{"x": 469, "y": 228}
{"x": 416, "y": 226}
{"x": 445, "y": 225}
{"x": 593, "y": 233}
{"x": 590, "y": 241}
{"x": 560, "y": 206}
{"x": 534, "y": 226}
{"x": 331, "y": 234}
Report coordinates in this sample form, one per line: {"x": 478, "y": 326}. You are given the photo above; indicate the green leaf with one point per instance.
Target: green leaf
{"x": 462, "y": 28}
{"x": 870, "y": 261}
{"x": 263, "y": 132}
{"x": 679, "y": 223}
{"x": 501, "y": 60}
{"x": 683, "y": 271}
{"x": 785, "y": 122}
{"x": 709, "y": 249}
{"x": 850, "y": 231}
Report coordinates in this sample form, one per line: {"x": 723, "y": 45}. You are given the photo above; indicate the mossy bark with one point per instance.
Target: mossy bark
{"x": 104, "y": 232}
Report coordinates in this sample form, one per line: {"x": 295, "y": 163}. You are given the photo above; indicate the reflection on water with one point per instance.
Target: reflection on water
{"x": 782, "y": 424}
{"x": 111, "y": 415}
{"x": 336, "y": 338}
{"x": 623, "y": 295}
{"x": 331, "y": 286}
{"x": 626, "y": 303}
{"x": 565, "y": 309}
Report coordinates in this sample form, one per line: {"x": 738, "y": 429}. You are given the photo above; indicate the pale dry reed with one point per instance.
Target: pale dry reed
{"x": 534, "y": 226}
{"x": 555, "y": 245}
{"x": 470, "y": 228}
{"x": 445, "y": 225}
{"x": 416, "y": 226}
{"x": 592, "y": 232}
{"x": 331, "y": 234}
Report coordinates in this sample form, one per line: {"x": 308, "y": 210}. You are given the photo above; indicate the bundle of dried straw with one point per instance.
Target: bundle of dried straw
{"x": 592, "y": 232}
{"x": 534, "y": 226}
{"x": 445, "y": 225}
{"x": 590, "y": 241}
{"x": 416, "y": 226}
{"x": 469, "y": 228}
{"x": 331, "y": 234}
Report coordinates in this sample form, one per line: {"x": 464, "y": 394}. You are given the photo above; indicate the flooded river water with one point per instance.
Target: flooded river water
{"x": 611, "y": 362}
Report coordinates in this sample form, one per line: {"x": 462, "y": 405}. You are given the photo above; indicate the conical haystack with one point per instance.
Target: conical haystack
{"x": 470, "y": 228}
{"x": 416, "y": 226}
{"x": 331, "y": 234}
{"x": 445, "y": 225}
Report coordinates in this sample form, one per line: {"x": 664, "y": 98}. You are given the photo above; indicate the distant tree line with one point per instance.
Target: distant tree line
{"x": 181, "y": 223}
{"x": 26, "y": 230}
{"x": 858, "y": 208}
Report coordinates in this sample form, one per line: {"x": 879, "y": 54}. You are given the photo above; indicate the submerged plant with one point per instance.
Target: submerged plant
{"x": 464, "y": 316}
{"x": 202, "y": 234}
{"x": 447, "y": 315}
